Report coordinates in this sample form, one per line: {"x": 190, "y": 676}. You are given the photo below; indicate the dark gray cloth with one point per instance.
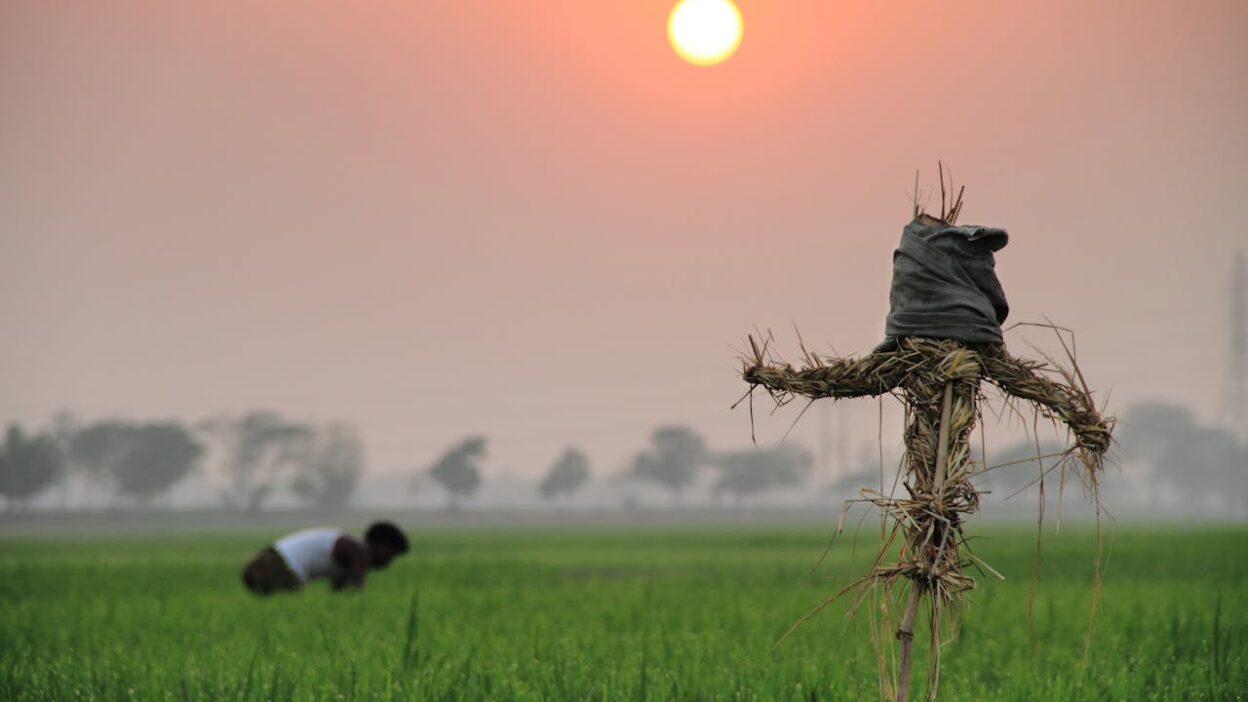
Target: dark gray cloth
{"x": 945, "y": 283}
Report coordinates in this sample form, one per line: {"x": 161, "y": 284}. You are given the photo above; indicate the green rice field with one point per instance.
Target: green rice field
{"x": 613, "y": 613}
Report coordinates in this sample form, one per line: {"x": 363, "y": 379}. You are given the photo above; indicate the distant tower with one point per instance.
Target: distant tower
{"x": 1236, "y": 407}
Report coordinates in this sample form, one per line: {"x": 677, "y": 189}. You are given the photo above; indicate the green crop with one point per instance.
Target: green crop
{"x": 612, "y": 614}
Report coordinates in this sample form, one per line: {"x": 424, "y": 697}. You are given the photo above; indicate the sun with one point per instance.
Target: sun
{"x": 705, "y": 32}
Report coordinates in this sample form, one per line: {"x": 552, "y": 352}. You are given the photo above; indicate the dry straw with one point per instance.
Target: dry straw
{"x": 939, "y": 383}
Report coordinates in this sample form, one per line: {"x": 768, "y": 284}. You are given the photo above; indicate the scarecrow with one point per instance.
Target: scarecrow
{"x": 943, "y": 339}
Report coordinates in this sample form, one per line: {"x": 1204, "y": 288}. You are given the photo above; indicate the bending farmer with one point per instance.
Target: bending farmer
{"x": 318, "y": 553}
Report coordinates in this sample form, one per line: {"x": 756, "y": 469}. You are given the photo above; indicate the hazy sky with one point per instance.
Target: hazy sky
{"x": 532, "y": 220}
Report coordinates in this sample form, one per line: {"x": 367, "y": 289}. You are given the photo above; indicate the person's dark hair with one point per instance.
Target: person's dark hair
{"x": 387, "y": 534}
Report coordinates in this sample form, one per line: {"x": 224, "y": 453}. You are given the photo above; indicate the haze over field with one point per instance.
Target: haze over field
{"x": 534, "y": 221}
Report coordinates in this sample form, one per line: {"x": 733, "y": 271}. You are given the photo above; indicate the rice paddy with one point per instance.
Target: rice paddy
{"x": 614, "y": 613}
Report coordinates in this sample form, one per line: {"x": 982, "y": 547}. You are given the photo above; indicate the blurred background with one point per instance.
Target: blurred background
{"x": 480, "y": 261}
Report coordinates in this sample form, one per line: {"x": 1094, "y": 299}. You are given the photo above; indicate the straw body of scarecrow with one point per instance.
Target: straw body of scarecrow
{"x": 943, "y": 340}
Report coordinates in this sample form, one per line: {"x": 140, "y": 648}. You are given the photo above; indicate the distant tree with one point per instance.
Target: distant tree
{"x": 673, "y": 459}
{"x": 153, "y": 458}
{"x": 1206, "y": 464}
{"x": 458, "y": 472}
{"x": 329, "y": 473}
{"x": 850, "y": 484}
{"x": 1016, "y": 467}
{"x": 1236, "y": 489}
{"x": 257, "y": 449}
{"x": 1148, "y": 428}
{"x": 1200, "y": 463}
{"x": 93, "y": 451}
{"x": 28, "y": 466}
{"x": 566, "y": 476}
{"x": 755, "y": 470}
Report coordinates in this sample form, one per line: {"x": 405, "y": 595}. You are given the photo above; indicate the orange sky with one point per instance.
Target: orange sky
{"x": 533, "y": 220}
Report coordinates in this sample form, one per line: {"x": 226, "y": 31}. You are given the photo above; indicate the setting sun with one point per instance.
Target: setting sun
{"x": 705, "y": 32}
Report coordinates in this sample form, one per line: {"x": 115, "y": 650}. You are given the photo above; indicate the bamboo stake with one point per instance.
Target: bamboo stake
{"x": 905, "y": 634}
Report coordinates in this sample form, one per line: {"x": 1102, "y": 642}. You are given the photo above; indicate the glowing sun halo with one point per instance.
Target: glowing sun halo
{"x": 705, "y": 32}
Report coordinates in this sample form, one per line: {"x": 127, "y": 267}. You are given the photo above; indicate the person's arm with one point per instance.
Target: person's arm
{"x": 352, "y": 559}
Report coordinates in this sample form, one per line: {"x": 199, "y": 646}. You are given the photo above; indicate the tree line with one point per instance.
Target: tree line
{"x": 259, "y": 453}
{"x": 673, "y": 461}
{"x": 124, "y": 462}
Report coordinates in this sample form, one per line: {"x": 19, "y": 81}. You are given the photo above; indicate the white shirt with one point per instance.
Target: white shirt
{"x": 310, "y": 553}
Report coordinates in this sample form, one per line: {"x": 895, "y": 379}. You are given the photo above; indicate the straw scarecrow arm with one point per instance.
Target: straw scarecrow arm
{"x": 1071, "y": 401}
{"x": 874, "y": 374}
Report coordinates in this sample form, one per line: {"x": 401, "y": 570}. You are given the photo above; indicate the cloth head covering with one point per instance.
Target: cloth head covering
{"x": 945, "y": 283}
